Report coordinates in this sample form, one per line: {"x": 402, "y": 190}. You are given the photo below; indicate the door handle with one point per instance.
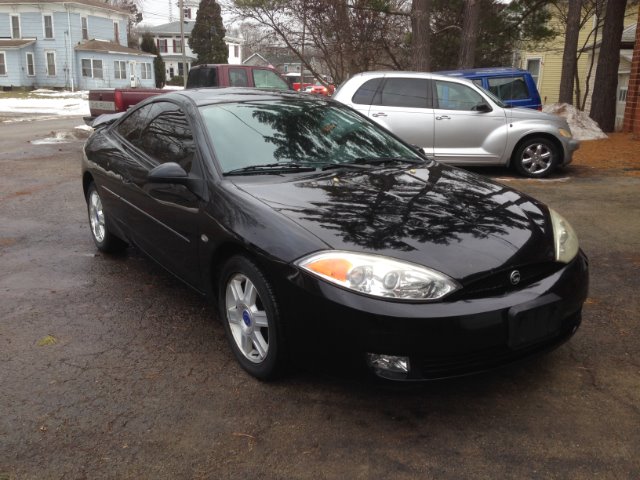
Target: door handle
{"x": 443, "y": 117}
{"x": 379, "y": 114}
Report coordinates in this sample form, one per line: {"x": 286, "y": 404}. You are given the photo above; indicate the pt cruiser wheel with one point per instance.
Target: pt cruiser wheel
{"x": 251, "y": 319}
{"x": 536, "y": 158}
{"x": 102, "y": 237}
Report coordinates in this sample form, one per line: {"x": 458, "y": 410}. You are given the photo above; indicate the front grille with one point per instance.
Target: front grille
{"x": 498, "y": 283}
{"x": 434, "y": 367}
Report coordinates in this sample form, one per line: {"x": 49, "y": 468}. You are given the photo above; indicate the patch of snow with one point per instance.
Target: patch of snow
{"x": 60, "y": 137}
{"x": 50, "y": 102}
{"x": 582, "y": 126}
{"x": 172, "y": 87}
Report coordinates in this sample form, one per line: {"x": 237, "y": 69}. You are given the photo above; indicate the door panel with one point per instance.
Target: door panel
{"x": 462, "y": 134}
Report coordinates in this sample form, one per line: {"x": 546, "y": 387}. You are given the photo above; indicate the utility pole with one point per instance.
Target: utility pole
{"x": 182, "y": 45}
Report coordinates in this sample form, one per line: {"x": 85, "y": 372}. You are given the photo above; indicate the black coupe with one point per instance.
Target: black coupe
{"x": 320, "y": 235}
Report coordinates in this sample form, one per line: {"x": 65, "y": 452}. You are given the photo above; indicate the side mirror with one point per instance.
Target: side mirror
{"x": 482, "y": 108}
{"x": 169, "y": 172}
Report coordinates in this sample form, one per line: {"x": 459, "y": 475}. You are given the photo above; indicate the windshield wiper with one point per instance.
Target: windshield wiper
{"x": 271, "y": 168}
{"x": 376, "y": 160}
{"x": 331, "y": 166}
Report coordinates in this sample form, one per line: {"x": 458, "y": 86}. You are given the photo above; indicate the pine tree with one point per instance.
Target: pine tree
{"x": 207, "y": 36}
{"x": 149, "y": 45}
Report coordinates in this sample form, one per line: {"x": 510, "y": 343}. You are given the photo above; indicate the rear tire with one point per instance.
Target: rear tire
{"x": 251, "y": 318}
{"x": 105, "y": 240}
{"x": 536, "y": 157}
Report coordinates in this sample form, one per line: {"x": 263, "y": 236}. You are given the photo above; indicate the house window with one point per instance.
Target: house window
{"x": 187, "y": 13}
{"x": 622, "y": 94}
{"x": 236, "y": 51}
{"x": 177, "y": 45}
{"x": 180, "y": 69}
{"x": 51, "y": 64}
{"x": 31, "y": 70}
{"x": 116, "y": 32}
{"x": 3, "y": 65}
{"x": 85, "y": 28}
{"x": 120, "y": 69}
{"x": 48, "y": 26}
{"x": 533, "y": 65}
{"x": 145, "y": 70}
{"x": 15, "y": 26}
{"x": 92, "y": 68}
{"x": 162, "y": 45}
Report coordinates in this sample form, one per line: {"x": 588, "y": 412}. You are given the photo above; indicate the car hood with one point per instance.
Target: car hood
{"x": 531, "y": 114}
{"x": 442, "y": 217}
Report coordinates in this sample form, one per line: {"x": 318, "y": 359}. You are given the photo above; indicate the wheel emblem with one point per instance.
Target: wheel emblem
{"x": 246, "y": 318}
{"x": 514, "y": 278}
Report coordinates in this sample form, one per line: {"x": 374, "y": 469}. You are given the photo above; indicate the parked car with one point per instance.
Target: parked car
{"x": 514, "y": 86}
{"x": 458, "y": 122}
{"x": 320, "y": 89}
{"x": 112, "y": 100}
{"x": 320, "y": 235}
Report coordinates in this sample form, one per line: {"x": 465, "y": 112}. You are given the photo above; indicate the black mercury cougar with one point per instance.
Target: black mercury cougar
{"x": 319, "y": 234}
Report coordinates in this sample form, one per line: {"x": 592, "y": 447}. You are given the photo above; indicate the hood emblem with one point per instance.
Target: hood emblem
{"x": 514, "y": 278}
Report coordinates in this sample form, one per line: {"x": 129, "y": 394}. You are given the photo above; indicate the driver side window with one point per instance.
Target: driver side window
{"x": 455, "y": 96}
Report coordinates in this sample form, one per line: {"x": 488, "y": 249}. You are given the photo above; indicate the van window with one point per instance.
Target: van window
{"x": 455, "y": 96}
{"x": 268, "y": 79}
{"x": 238, "y": 77}
{"x": 404, "y": 92}
{"x": 509, "y": 88}
{"x": 364, "y": 95}
{"x": 202, "y": 78}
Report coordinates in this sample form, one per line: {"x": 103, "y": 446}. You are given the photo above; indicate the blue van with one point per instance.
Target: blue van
{"x": 513, "y": 86}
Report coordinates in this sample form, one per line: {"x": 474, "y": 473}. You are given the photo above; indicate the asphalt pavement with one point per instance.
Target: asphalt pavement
{"x": 110, "y": 368}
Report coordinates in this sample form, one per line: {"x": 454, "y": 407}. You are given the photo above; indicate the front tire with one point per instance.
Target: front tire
{"x": 536, "y": 157}
{"x": 105, "y": 240}
{"x": 251, "y": 318}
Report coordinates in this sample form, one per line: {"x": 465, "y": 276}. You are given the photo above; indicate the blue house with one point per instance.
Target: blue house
{"x": 78, "y": 45}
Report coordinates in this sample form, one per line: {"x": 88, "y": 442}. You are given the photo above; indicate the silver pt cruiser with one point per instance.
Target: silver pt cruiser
{"x": 457, "y": 122}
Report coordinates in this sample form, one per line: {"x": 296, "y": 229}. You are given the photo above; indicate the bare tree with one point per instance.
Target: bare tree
{"x": 570, "y": 58}
{"x": 420, "y": 35}
{"x": 603, "y": 103}
{"x": 469, "y": 34}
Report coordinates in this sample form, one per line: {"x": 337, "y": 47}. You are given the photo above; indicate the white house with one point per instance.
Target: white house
{"x": 78, "y": 44}
{"x": 168, "y": 41}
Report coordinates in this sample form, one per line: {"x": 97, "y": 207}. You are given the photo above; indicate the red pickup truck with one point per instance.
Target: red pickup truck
{"x": 113, "y": 100}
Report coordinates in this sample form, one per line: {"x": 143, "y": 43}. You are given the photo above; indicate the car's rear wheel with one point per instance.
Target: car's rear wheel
{"x": 102, "y": 237}
{"x": 251, "y": 318}
{"x": 536, "y": 157}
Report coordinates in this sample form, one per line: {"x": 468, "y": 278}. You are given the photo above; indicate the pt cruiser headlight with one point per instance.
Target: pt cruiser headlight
{"x": 565, "y": 238}
{"x": 379, "y": 276}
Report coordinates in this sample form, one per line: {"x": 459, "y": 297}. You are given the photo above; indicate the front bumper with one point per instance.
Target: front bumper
{"x": 441, "y": 339}
{"x": 569, "y": 145}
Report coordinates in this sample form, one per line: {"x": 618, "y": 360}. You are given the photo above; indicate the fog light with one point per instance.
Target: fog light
{"x": 389, "y": 366}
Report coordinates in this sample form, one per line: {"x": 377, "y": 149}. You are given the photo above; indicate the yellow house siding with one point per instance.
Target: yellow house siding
{"x": 551, "y": 56}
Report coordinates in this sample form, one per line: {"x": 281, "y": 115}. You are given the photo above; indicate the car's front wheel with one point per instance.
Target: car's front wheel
{"x": 536, "y": 157}
{"x": 251, "y": 318}
{"x": 102, "y": 237}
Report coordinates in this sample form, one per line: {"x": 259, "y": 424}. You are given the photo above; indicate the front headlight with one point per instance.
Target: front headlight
{"x": 565, "y": 238}
{"x": 379, "y": 276}
{"x": 565, "y": 133}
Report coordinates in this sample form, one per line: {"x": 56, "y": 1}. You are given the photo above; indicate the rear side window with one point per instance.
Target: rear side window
{"x": 511, "y": 88}
{"x": 364, "y": 95}
{"x": 238, "y": 77}
{"x": 455, "y": 96}
{"x": 202, "y": 78}
{"x": 404, "y": 92}
{"x": 268, "y": 79}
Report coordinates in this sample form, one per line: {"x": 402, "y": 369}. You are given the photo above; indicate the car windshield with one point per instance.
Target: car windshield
{"x": 296, "y": 133}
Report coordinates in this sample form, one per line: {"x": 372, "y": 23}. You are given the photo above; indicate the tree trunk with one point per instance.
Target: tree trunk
{"x": 569, "y": 58}
{"x": 420, "y": 35}
{"x": 603, "y": 103}
{"x": 469, "y": 35}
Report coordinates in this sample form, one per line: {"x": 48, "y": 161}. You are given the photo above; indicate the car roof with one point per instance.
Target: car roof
{"x": 483, "y": 71}
{"x": 210, "y": 96}
{"x": 403, "y": 73}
